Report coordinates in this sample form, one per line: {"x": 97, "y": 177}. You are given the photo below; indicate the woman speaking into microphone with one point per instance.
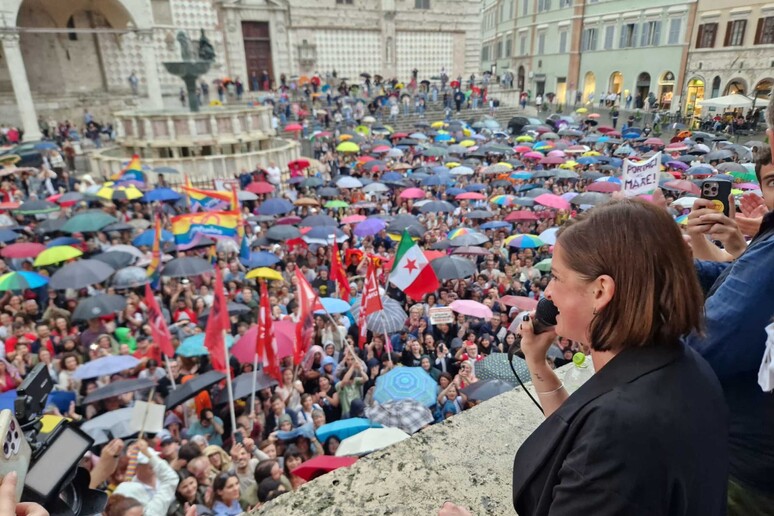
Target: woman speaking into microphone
{"x": 646, "y": 434}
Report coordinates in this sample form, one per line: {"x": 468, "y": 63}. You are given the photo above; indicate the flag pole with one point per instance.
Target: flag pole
{"x": 387, "y": 343}
{"x": 228, "y": 385}
{"x": 255, "y": 358}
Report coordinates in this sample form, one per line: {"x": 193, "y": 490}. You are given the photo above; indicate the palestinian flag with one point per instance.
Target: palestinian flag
{"x": 411, "y": 271}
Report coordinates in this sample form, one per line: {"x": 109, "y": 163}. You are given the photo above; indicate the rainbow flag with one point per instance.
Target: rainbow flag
{"x": 189, "y": 228}
{"x": 208, "y": 200}
{"x": 154, "y": 268}
{"x": 132, "y": 174}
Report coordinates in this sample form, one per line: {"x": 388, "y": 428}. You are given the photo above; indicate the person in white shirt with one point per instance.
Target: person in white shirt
{"x": 154, "y": 483}
{"x": 274, "y": 174}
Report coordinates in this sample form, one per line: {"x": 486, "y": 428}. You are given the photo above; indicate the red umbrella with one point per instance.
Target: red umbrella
{"x": 605, "y": 129}
{"x": 604, "y": 187}
{"x": 321, "y": 465}
{"x": 521, "y": 215}
{"x": 680, "y": 185}
{"x": 353, "y": 219}
{"x": 521, "y": 149}
{"x": 551, "y": 160}
{"x": 11, "y": 205}
{"x": 260, "y": 187}
{"x": 454, "y": 84}
{"x": 22, "y": 250}
{"x": 290, "y": 220}
{"x": 520, "y": 302}
{"x": 293, "y": 128}
{"x": 553, "y": 201}
{"x": 399, "y": 135}
{"x": 284, "y": 332}
{"x": 654, "y": 142}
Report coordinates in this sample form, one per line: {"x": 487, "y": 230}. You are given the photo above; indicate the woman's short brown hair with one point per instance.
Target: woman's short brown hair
{"x": 657, "y": 296}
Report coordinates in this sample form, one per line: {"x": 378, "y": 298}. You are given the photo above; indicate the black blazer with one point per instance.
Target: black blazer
{"x": 646, "y": 435}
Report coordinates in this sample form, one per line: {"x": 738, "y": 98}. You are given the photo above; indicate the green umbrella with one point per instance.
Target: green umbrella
{"x": 37, "y": 207}
{"x": 544, "y": 265}
{"x": 337, "y": 204}
{"x": 435, "y": 152}
{"x": 88, "y": 222}
{"x": 20, "y": 281}
{"x": 744, "y": 176}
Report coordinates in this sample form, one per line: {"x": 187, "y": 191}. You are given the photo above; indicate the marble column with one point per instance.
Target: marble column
{"x": 151, "y": 69}
{"x": 21, "y": 86}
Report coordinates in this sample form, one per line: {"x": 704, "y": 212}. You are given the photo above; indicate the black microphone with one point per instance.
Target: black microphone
{"x": 544, "y": 320}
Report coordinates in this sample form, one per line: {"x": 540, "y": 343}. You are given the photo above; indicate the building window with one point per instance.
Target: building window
{"x": 421, "y": 4}
{"x": 499, "y": 49}
{"x": 706, "y": 36}
{"x": 589, "y": 40}
{"x": 651, "y": 34}
{"x": 544, "y": 5}
{"x": 628, "y": 35}
{"x": 563, "y": 42}
{"x": 523, "y": 45}
{"x": 565, "y": 3}
{"x": 609, "y": 35}
{"x": 764, "y": 33}
{"x": 541, "y": 43}
{"x": 735, "y": 33}
{"x": 345, "y": 2}
{"x": 485, "y": 53}
{"x": 508, "y": 47}
{"x": 675, "y": 25}
{"x": 524, "y": 7}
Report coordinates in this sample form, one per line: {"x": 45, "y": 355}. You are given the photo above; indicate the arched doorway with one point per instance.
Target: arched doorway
{"x": 642, "y": 89}
{"x": 763, "y": 89}
{"x": 694, "y": 94}
{"x": 589, "y": 87}
{"x": 616, "y": 83}
{"x": 666, "y": 89}
{"x": 715, "y": 92}
{"x": 735, "y": 86}
{"x": 520, "y": 76}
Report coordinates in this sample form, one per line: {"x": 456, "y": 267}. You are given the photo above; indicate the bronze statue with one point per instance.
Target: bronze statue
{"x": 185, "y": 46}
{"x": 206, "y": 50}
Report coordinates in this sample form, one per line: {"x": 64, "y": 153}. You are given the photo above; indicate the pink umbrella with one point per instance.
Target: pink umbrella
{"x": 471, "y": 308}
{"x": 284, "y": 332}
{"x": 748, "y": 186}
{"x": 521, "y": 215}
{"x": 353, "y": 219}
{"x": 533, "y": 155}
{"x": 676, "y": 147}
{"x": 290, "y": 220}
{"x": 471, "y": 196}
{"x": 293, "y": 127}
{"x": 556, "y": 152}
{"x": 260, "y": 187}
{"x": 551, "y": 160}
{"x": 381, "y": 148}
{"x": 683, "y": 186}
{"x": 520, "y": 302}
{"x": 552, "y": 201}
{"x": 604, "y": 187}
{"x": 412, "y": 193}
{"x": 522, "y": 148}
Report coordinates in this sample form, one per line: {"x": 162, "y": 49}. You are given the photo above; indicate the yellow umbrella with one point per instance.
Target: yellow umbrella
{"x": 264, "y": 273}
{"x": 452, "y": 164}
{"x": 467, "y": 143}
{"x": 582, "y": 110}
{"x": 10, "y": 159}
{"x": 525, "y": 138}
{"x": 568, "y": 165}
{"x": 505, "y": 164}
{"x": 466, "y": 131}
{"x": 57, "y": 254}
{"x": 215, "y": 103}
{"x": 119, "y": 193}
{"x": 361, "y": 129}
{"x": 438, "y": 124}
{"x": 348, "y": 147}
{"x": 345, "y": 137}
{"x": 591, "y": 153}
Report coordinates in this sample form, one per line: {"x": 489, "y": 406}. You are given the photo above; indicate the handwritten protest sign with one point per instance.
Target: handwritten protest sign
{"x": 441, "y": 315}
{"x": 640, "y": 178}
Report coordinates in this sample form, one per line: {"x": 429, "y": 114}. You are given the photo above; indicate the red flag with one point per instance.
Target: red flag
{"x": 370, "y": 302}
{"x": 265, "y": 344}
{"x": 338, "y": 274}
{"x": 217, "y": 323}
{"x": 159, "y": 329}
{"x": 308, "y": 302}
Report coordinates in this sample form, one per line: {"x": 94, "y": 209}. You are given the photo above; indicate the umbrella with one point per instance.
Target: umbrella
{"x": 471, "y": 308}
{"x": 130, "y": 277}
{"x": 524, "y": 241}
{"x": 116, "y": 259}
{"x": 22, "y": 250}
{"x": 345, "y": 428}
{"x": 232, "y": 309}
{"x": 88, "y": 222}
{"x": 118, "y": 226}
{"x": 495, "y": 366}
{"x": 284, "y": 332}
{"x": 324, "y": 235}
{"x": 56, "y": 254}
{"x": 407, "y": 414}
{"x": 21, "y": 280}
{"x": 369, "y": 227}
{"x": 114, "y": 389}
{"x": 185, "y": 267}
{"x": 487, "y": 389}
{"x": 318, "y": 220}
{"x": 98, "y": 306}
{"x": 261, "y": 259}
{"x": 260, "y": 187}
{"x": 348, "y": 182}
{"x": 37, "y": 207}
{"x": 193, "y": 346}
{"x": 265, "y": 273}
{"x": 683, "y": 186}
{"x": 147, "y": 237}
{"x": 468, "y": 239}
{"x": 81, "y": 274}
{"x": 552, "y": 201}
{"x": 437, "y": 207}
{"x": 105, "y": 366}
{"x": 193, "y": 387}
{"x": 119, "y": 193}
{"x": 161, "y": 194}
{"x": 549, "y": 236}
{"x": 321, "y": 465}
{"x": 544, "y": 265}
{"x": 403, "y": 383}
{"x": 116, "y": 423}
{"x": 471, "y": 251}
{"x": 479, "y": 214}
{"x": 453, "y": 267}
{"x": 243, "y": 386}
{"x": 388, "y": 320}
{"x": 370, "y": 440}
{"x": 6, "y": 235}
{"x": 275, "y": 206}
{"x": 333, "y": 305}
{"x": 520, "y": 302}
{"x": 282, "y": 232}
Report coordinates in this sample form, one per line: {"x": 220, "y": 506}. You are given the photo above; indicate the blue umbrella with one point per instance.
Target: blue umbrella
{"x": 440, "y": 169}
{"x": 475, "y": 187}
{"x": 586, "y": 160}
{"x": 63, "y": 241}
{"x": 322, "y": 235}
{"x": 495, "y": 224}
{"x": 335, "y": 306}
{"x": 275, "y": 206}
{"x": 454, "y": 191}
{"x": 392, "y": 176}
{"x": 345, "y": 428}
{"x": 6, "y": 235}
{"x": 521, "y": 175}
{"x": 443, "y": 138}
{"x": 194, "y": 346}
{"x": 43, "y": 146}
{"x": 166, "y": 170}
{"x": 432, "y": 181}
{"x": 699, "y": 170}
{"x": 260, "y": 259}
{"x": 161, "y": 194}
{"x": 146, "y": 237}
{"x": 105, "y": 366}
{"x": 404, "y": 383}
{"x": 21, "y": 280}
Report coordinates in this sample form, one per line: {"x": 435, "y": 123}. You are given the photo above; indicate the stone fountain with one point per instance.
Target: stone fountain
{"x": 190, "y": 68}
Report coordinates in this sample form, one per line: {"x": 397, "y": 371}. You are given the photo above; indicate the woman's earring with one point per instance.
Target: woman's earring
{"x": 595, "y": 311}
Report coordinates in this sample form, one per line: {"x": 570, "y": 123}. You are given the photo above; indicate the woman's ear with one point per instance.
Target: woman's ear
{"x": 603, "y": 291}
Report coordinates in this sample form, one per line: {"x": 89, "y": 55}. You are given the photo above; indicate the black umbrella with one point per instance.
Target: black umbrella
{"x": 537, "y": 192}
{"x": 37, "y": 206}
{"x": 98, "y": 306}
{"x": 185, "y": 267}
{"x": 116, "y": 259}
{"x": 590, "y": 198}
{"x": 487, "y": 389}
{"x": 80, "y": 274}
{"x": 193, "y": 387}
{"x": 441, "y": 245}
{"x": 282, "y": 232}
{"x": 479, "y": 214}
{"x": 118, "y": 226}
{"x": 453, "y": 267}
{"x": 130, "y": 277}
{"x": 328, "y": 191}
{"x": 402, "y": 221}
{"x": 114, "y": 389}
{"x": 50, "y": 226}
{"x": 243, "y": 386}
{"x": 469, "y": 239}
{"x": 437, "y": 207}
{"x": 318, "y": 220}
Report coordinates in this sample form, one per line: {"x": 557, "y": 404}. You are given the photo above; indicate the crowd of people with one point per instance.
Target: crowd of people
{"x": 483, "y": 206}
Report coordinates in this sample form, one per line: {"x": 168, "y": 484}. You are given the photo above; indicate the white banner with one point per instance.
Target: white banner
{"x": 640, "y": 178}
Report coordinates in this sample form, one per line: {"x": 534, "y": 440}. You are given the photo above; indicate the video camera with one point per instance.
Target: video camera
{"x": 54, "y": 478}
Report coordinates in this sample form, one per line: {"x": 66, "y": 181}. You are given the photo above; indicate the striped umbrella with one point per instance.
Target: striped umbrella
{"x": 524, "y": 241}
{"x": 390, "y": 319}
